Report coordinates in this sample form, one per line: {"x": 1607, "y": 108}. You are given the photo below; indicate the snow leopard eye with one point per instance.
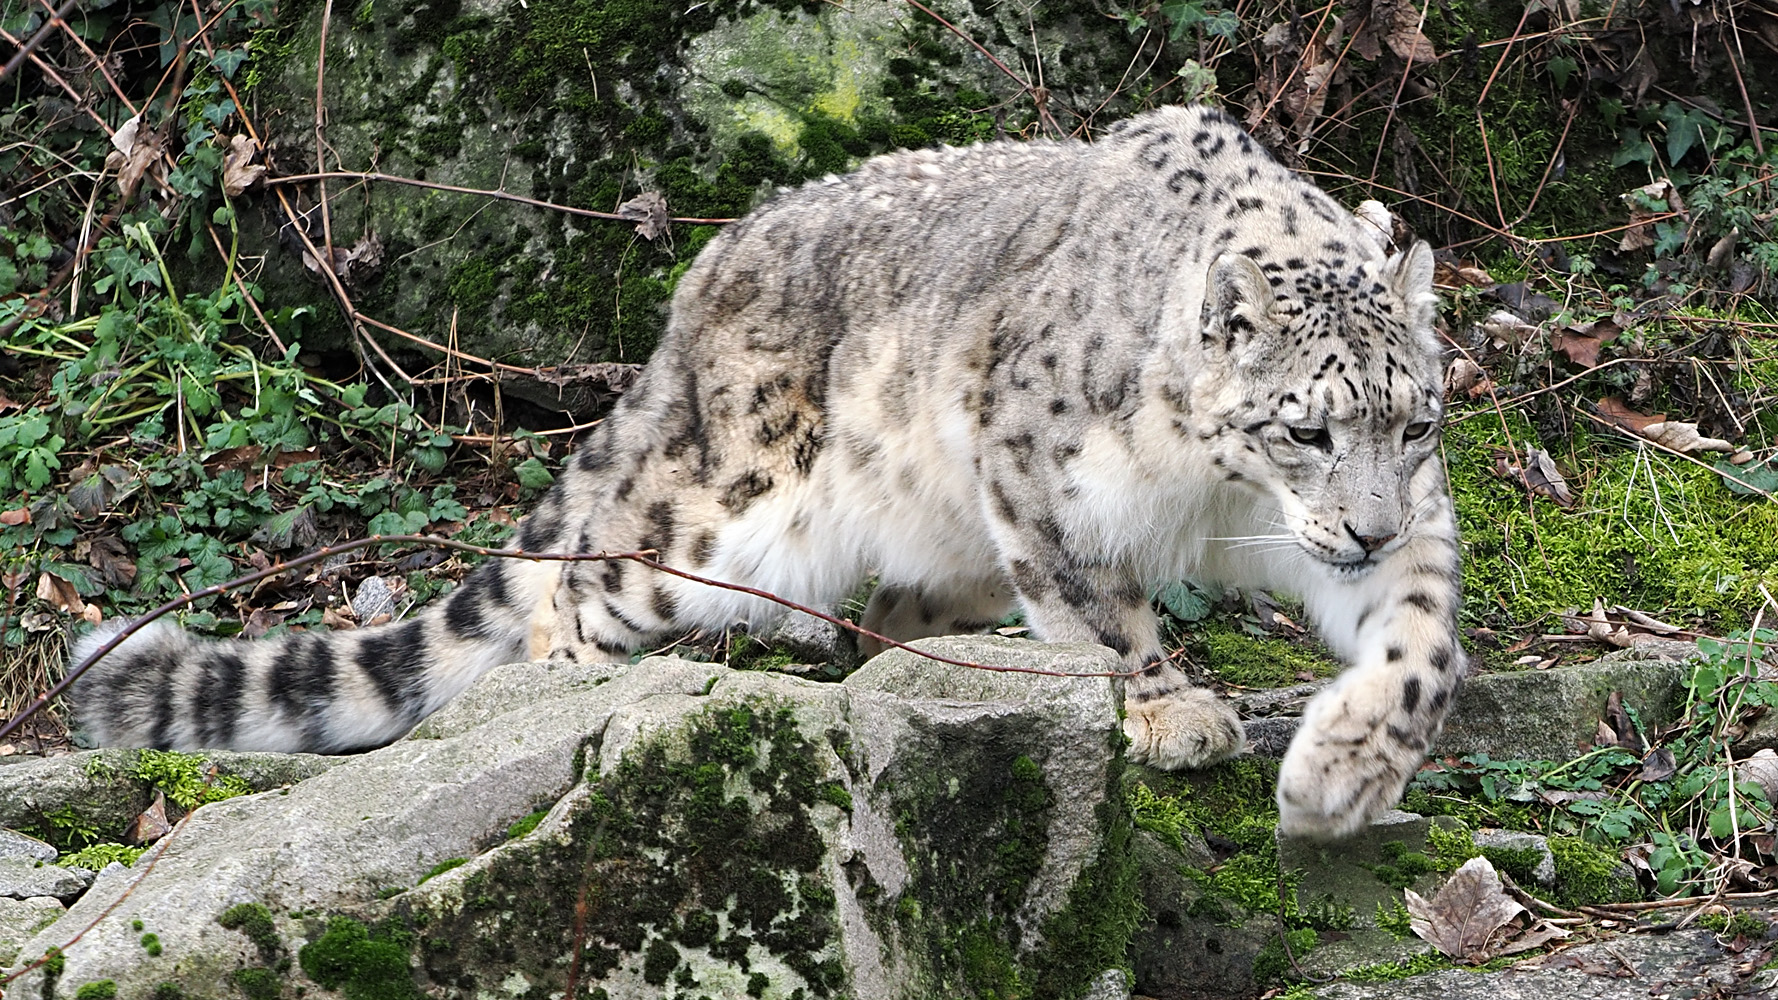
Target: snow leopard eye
{"x": 1417, "y": 430}
{"x": 1313, "y": 436}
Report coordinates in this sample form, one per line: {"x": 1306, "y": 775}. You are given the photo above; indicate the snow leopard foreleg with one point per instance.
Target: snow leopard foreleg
{"x": 1366, "y": 735}
{"x": 1070, "y": 596}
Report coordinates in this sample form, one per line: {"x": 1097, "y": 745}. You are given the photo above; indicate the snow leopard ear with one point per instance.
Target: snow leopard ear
{"x": 1410, "y": 276}
{"x": 1241, "y": 301}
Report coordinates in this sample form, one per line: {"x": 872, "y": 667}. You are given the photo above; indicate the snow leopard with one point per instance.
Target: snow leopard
{"x": 1046, "y": 376}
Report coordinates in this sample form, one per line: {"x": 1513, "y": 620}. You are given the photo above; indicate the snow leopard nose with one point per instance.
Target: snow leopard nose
{"x": 1370, "y": 543}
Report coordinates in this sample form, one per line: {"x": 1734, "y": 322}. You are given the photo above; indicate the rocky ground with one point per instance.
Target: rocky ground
{"x": 682, "y": 829}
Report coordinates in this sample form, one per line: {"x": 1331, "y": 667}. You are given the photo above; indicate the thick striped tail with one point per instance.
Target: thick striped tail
{"x": 322, "y": 692}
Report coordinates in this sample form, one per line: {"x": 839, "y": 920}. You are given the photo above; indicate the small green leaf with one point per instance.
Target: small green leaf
{"x": 1183, "y": 603}
{"x": 1749, "y": 479}
{"x": 1561, "y": 68}
{"x": 532, "y": 474}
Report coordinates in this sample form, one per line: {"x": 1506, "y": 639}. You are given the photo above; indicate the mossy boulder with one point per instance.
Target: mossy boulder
{"x": 589, "y": 103}
{"x": 919, "y": 830}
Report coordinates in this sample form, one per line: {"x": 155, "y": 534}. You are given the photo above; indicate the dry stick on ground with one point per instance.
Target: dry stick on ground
{"x": 1487, "y": 153}
{"x": 1395, "y": 101}
{"x": 343, "y": 299}
{"x": 646, "y": 557}
{"x": 98, "y": 64}
{"x": 30, "y": 45}
{"x": 159, "y": 851}
{"x": 363, "y": 175}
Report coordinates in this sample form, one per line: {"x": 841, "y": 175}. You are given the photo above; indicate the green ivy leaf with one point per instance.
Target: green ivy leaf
{"x": 532, "y": 474}
{"x": 1561, "y": 68}
{"x": 1183, "y": 603}
{"x": 228, "y": 60}
{"x": 1749, "y": 479}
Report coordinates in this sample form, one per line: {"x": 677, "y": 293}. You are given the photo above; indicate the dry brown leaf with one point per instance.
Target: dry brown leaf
{"x": 135, "y": 149}
{"x": 239, "y": 172}
{"x": 151, "y": 825}
{"x": 1616, "y": 411}
{"x": 337, "y": 619}
{"x": 1464, "y": 376}
{"x": 260, "y": 622}
{"x": 1762, "y": 767}
{"x": 1507, "y": 327}
{"x": 1642, "y": 230}
{"x": 364, "y": 257}
{"x": 1581, "y": 342}
{"x": 15, "y": 517}
{"x": 1683, "y": 437}
{"x": 59, "y": 593}
{"x": 1538, "y": 474}
{"x": 1464, "y": 916}
{"x": 107, "y": 554}
{"x": 1455, "y": 273}
{"x": 648, "y": 211}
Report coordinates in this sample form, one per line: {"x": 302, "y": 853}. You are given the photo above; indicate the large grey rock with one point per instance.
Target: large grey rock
{"x": 1521, "y": 842}
{"x": 20, "y": 919}
{"x": 100, "y": 789}
{"x": 1549, "y": 714}
{"x": 1187, "y": 952}
{"x": 16, "y": 845}
{"x": 710, "y": 105}
{"x": 920, "y": 830}
{"x": 22, "y": 879}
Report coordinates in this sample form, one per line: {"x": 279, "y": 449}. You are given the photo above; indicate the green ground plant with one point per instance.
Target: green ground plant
{"x": 1680, "y": 806}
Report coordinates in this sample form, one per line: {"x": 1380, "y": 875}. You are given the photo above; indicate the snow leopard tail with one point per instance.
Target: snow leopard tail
{"x": 319, "y": 691}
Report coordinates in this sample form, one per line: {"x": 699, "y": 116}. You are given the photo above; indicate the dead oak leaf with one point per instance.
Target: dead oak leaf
{"x": 1615, "y": 411}
{"x": 1581, "y": 342}
{"x": 151, "y": 824}
{"x": 59, "y": 593}
{"x": 1648, "y": 203}
{"x": 134, "y": 150}
{"x": 1464, "y": 917}
{"x": 1679, "y": 435}
{"x": 1683, "y": 437}
{"x": 239, "y": 172}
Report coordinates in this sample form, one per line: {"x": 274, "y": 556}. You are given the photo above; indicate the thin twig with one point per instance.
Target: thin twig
{"x": 29, "y": 45}
{"x": 160, "y": 851}
{"x": 501, "y": 195}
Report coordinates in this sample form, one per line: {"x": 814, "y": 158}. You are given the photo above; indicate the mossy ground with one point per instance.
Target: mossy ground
{"x": 1662, "y": 536}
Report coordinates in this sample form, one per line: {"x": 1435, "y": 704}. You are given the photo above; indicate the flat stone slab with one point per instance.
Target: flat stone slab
{"x": 22, "y": 918}
{"x": 16, "y": 845}
{"x": 1550, "y": 714}
{"x": 1686, "y": 963}
{"x": 22, "y": 879}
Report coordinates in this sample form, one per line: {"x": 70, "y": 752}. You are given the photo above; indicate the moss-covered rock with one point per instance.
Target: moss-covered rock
{"x": 588, "y": 103}
{"x": 919, "y": 830}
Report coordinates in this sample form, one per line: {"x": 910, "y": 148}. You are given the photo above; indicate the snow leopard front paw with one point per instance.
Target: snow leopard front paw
{"x": 1347, "y": 766}
{"x": 1189, "y": 727}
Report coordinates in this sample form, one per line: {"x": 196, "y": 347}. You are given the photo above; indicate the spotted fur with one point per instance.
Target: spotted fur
{"x": 1045, "y": 375}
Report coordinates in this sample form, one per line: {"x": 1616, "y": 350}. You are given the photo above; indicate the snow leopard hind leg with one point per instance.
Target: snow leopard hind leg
{"x": 908, "y": 611}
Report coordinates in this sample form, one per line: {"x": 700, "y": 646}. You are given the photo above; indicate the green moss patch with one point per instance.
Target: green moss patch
{"x": 1252, "y": 661}
{"x": 700, "y": 844}
{"x": 361, "y": 962}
